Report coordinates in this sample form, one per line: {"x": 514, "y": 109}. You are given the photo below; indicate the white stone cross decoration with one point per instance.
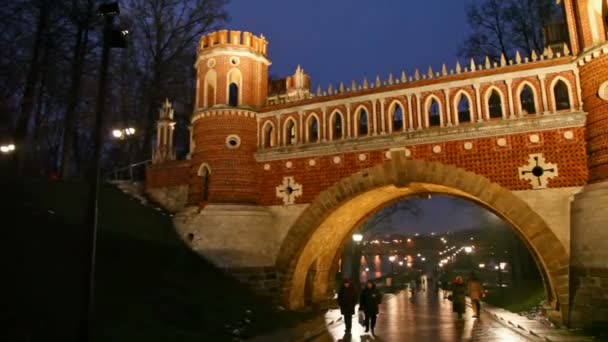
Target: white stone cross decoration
{"x": 538, "y": 171}
{"x": 289, "y": 190}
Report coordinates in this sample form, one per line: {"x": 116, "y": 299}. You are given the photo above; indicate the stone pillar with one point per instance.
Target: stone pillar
{"x": 589, "y": 257}
{"x": 543, "y": 89}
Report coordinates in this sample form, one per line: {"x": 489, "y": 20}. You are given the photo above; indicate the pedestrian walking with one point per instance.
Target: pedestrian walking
{"x": 458, "y": 297}
{"x": 475, "y": 289}
{"x": 369, "y": 302}
{"x": 347, "y": 299}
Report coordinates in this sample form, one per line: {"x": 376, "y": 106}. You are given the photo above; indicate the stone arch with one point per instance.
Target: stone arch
{"x": 332, "y": 125}
{"x": 360, "y": 111}
{"x": 554, "y": 83}
{"x": 427, "y": 105}
{"x": 234, "y": 82}
{"x": 269, "y": 137}
{"x": 459, "y": 95}
{"x": 210, "y": 89}
{"x": 392, "y": 111}
{"x": 489, "y": 92}
{"x": 519, "y": 91}
{"x": 204, "y": 171}
{"x": 337, "y": 211}
{"x": 309, "y": 122}
{"x": 597, "y": 11}
{"x": 290, "y": 132}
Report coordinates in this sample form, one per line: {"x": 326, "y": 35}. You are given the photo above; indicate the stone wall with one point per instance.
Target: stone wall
{"x": 171, "y": 198}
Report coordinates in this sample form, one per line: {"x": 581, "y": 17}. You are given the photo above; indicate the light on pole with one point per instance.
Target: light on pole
{"x": 111, "y": 38}
{"x": 357, "y": 238}
{"x": 8, "y": 148}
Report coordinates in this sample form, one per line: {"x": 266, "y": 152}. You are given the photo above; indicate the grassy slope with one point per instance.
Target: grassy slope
{"x": 149, "y": 286}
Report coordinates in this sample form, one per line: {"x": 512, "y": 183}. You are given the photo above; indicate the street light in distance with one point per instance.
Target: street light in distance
{"x": 357, "y": 237}
{"x": 9, "y": 148}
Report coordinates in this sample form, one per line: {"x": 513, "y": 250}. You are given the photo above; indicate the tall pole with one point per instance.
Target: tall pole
{"x": 87, "y": 314}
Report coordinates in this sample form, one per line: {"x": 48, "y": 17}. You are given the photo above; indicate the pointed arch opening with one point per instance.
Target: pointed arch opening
{"x": 434, "y": 112}
{"x": 561, "y": 95}
{"x": 269, "y": 138}
{"x": 362, "y": 122}
{"x": 494, "y": 104}
{"x": 204, "y": 171}
{"x": 397, "y": 117}
{"x": 527, "y": 100}
{"x": 312, "y": 129}
{"x": 337, "y": 126}
{"x": 463, "y": 107}
{"x": 234, "y": 87}
{"x": 291, "y": 137}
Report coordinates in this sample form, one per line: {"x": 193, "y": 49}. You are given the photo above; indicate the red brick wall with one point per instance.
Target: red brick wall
{"x": 592, "y": 75}
{"x": 168, "y": 174}
{"x": 499, "y": 164}
{"x": 233, "y": 171}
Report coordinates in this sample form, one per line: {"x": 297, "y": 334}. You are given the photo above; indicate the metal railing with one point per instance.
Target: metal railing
{"x": 131, "y": 171}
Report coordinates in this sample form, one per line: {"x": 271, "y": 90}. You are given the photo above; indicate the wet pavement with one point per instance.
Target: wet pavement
{"x": 425, "y": 317}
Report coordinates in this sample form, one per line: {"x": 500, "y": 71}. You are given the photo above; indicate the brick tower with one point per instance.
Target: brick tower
{"x": 586, "y": 20}
{"x": 232, "y": 83}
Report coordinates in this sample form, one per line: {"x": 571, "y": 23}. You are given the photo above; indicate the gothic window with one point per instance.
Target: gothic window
{"x": 526, "y": 98}
{"x": 561, "y": 95}
{"x": 269, "y": 136}
{"x": 337, "y": 126}
{"x": 434, "y": 113}
{"x": 209, "y": 87}
{"x": 495, "y": 105}
{"x": 233, "y": 96}
{"x": 397, "y": 117}
{"x": 290, "y": 132}
{"x": 464, "y": 109}
{"x": 363, "y": 123}
{"x": 313, "y": 129}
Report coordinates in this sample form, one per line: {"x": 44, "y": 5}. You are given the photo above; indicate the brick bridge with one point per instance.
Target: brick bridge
{"x": 278, "y": 176}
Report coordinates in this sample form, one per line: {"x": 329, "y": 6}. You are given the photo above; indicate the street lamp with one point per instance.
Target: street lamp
{"x": 6, "y": 149}
{"x": 392, "y": 259}
{"x": 468, "y": 249}
{"x": 357, "y": 237}
{"x": 111, "y": 38}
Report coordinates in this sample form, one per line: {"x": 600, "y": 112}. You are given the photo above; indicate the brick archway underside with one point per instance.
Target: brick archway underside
{"x": 318, "y": 233}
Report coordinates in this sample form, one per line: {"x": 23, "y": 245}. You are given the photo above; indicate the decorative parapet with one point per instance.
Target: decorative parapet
{"x": 226, "y": 38}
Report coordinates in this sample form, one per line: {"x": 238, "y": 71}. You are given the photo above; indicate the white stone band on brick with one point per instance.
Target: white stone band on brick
{"x": 568, "y": 135}
{"x": 266, "y": 167}
{"x": 362, "y": 157}
{"x": 312, "y": 162}
{"x": 468, "y": 145}
{"x": 337, "y": 160}
{"x": 288, "y": 190}
{"x": 437, "y": 149}
{"x": 502, "y": 142}
{"x": 288, "y": 164}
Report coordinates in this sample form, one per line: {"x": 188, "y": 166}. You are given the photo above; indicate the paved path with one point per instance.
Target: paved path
{"x": 427, "y": 318}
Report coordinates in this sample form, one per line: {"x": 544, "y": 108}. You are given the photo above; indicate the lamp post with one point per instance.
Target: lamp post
{"x": 392, "y": 259}
{"x": 125, "y": 134}
{"x": 7, "y": 149}
{"x": 111, "y": 38}
{"x": 468, "y": 250}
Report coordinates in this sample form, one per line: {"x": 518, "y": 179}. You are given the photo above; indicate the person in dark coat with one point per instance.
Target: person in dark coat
{"x": 369, "y": 301}
{"x": 475, "y": 289}
{"x": 458, "y": 297}
{"x": 347, "y": 299}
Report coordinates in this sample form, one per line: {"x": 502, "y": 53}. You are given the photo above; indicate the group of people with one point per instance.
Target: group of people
{"x": 459, "y": 291}
{"x": 371, "y": 298}
{"x": 369, "y": 301}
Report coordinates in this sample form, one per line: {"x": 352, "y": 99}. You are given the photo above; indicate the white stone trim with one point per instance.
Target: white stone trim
{"x": 472, "y": 81}
{"x": 519, "y": 90}
{"x": 427, "y": 108}
{"x": 274, "y": 131}
{"x": 203, "y": 166}
{"x": 457, "y": 98}
{"x": 311, "y": 116}
{"x": 530, "y": 124}
{"x": 537, "y": 160}
{"x": 570, "y": 95}
{"x": 230, "y": 50}
{"x": 239, "y": 84}
{"x": 486, "y": 101}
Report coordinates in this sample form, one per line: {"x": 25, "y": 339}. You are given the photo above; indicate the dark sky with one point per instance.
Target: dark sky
{"x": 342, "y": 40}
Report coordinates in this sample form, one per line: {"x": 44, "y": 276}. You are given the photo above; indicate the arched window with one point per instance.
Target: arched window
{"x": 434, "y": 113}
{"x": 464, "y": 109}
{"x": 269, "y": 136}
{"x": 363, "y": 121}
{"x": 290, "y": 132}
{"x": 495, "y": 105}
{"x": 205, "y": 173}
{"x": 313, "y": 129}
{"x": 526, "y": 99}
{"x": 561, "y": 94}
{"x": 397, "y": 117}
{"x": 233, "y": 96}
{"x": 337, "y": 126}
{"x": 209, "y": 89}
